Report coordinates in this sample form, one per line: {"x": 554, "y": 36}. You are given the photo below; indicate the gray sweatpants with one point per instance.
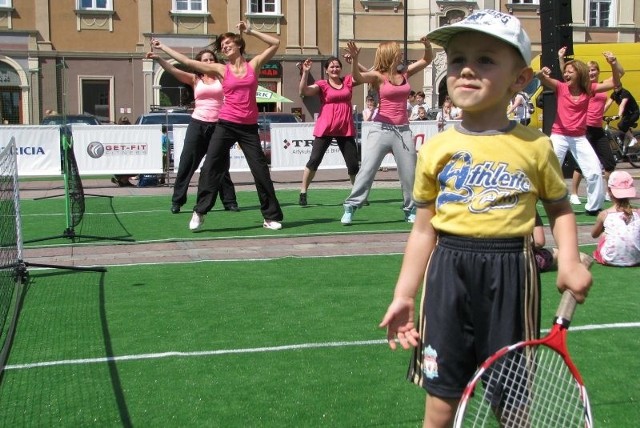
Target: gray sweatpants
{"x": 382, "y": 139}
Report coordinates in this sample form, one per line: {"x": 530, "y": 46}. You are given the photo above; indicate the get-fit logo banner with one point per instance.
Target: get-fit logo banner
{"x": 118, "y": 149}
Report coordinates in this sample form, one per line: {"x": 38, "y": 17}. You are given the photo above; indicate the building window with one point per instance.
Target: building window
{"x": 96, "y": 97}
{"x": 266, "y": 7}
{"x": 189, "y": 6}
{"x": 600, "y": 13}
{"x": 99, "y": 5}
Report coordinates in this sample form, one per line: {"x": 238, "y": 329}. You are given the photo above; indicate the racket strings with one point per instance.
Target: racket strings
{"x": 526, "y": 387}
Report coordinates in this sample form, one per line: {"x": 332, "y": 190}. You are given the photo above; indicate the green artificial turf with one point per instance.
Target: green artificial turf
{"x": 274, "y": 343}
{"x": 147, "y": 218}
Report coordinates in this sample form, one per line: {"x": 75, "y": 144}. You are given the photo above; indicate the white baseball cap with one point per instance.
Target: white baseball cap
{"x": 497, "y": 24}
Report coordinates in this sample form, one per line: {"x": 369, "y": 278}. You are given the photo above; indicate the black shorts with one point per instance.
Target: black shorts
{"x": 479, "y": 296}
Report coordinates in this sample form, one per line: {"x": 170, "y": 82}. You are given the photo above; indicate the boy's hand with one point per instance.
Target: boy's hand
{"x": 575, "y": 278}
{"x": 399, "y": 323}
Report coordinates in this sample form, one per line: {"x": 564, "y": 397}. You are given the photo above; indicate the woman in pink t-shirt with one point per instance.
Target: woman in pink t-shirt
{"x": 237, "y": 122}
{"x": 207, "y": 93}
{"x": 595, "y": 133}
{"x": 335, "y": 121}
{"x": 390, "y": 131}
{"x": 568, "y": 132}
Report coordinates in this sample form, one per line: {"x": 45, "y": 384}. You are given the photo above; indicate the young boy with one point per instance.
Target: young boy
{"x": 476, "y": 189}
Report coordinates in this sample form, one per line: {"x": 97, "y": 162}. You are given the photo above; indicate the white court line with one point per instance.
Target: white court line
{"x": 256, "y": 350}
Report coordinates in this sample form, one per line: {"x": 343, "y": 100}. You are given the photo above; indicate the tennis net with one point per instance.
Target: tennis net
{"x": 11, "y": 266}
{"x": 73, "y": 183}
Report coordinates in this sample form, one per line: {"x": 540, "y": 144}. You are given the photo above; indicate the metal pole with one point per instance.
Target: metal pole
{"x": 406, "y": 31}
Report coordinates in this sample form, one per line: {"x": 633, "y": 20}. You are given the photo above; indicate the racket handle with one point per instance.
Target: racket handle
{"x": 567, "y": 307}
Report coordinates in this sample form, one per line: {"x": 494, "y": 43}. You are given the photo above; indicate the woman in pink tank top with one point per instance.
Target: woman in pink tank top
{"x": 207, "y": 92}
{"x": 568, "y": 132}
{"x": 237, "y": 122}
{"x": 390, "y": 131}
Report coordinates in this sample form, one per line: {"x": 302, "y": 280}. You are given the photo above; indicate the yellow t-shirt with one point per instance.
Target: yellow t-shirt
{"x": 487, "y": 184}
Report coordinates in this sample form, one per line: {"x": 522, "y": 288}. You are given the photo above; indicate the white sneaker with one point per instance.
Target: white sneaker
{"x": 574, "y": 199}
{"x": 272, "y": 224}
{"x": 607, "y": 197}
{"x": 633, "y": 142}
{"x": 411, "y": 218}
{"x": 348, "y": 214}
{"x": 196, "y": 221}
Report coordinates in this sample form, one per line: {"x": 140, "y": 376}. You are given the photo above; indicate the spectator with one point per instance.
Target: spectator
{"x": 419, "y": 103}
{"x": 619, "y": 226}
{"x": 628, "y": 112}
{"x": 122, "y": 180}
{"x": 422, "y": 113}
{"x": 370, "y": 111}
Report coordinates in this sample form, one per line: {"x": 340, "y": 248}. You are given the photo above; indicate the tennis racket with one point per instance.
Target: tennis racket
{"x": 530, "y": 384}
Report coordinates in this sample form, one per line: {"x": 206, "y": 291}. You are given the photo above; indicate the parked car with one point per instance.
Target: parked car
{"x": 165, "y": 118}
{"x": 70, "y": 119}
{"x": 265, "y": 119}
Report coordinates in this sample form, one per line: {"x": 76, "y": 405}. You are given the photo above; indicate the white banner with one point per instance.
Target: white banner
{"x": 118, "y": 149}
{"x": 291, "y": 148}
{"x": 38, "y": 148}
{"x": 422, "y": 130}
{"x": 238, "y": 161}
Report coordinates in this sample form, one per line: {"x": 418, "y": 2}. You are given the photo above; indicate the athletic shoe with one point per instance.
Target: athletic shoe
{"x": 592, "y": 213}
{"x": 272, "y": 224}
{"x": 607, "y": 197}
{"x": 196, "y": 221}
{"x": 303, "y": 200}
{"x": 574, "y": 199}
{"x": 410, "y": 216}
{"x": 632, "y": 142}
{"x": 175, "y": 209}
{"x": 232, "y": 207}
{"x": 349, "y": 210}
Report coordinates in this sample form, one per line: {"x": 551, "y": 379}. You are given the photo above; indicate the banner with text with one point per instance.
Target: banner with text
{"x": 291, "y": 148}
{"x": 422, "y": 130}
{"x": 238, "y": 161}
{"x": 118, "y": 149}
{"x": 38, "y": 148}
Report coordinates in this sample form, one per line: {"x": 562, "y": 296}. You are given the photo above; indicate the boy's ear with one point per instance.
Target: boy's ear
{"x": 523, "y": 78}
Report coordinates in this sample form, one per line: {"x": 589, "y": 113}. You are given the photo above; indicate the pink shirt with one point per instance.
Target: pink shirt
{"x": 240, "y": 105}
{"x": 208, "y": 97}
{"x": 336, "y": 117}
{"x": 393, "y": 102}
{"x": 596, "y": 109}
{"x": 571, "y": 114}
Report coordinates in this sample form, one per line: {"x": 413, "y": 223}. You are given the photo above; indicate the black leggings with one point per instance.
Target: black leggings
{"x": 217, "y": 163}
{"x": 196, "y": 143}
{"x": 347, "y": 146}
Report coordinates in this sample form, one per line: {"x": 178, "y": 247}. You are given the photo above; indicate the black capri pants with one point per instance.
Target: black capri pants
{"x": 347, "y": 146}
